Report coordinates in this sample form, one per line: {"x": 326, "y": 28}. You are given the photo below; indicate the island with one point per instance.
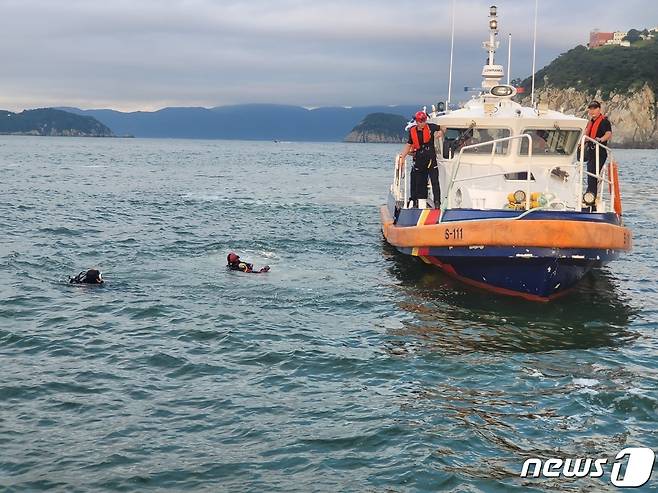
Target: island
{"x": 379, "y": 127}
{"x": 51, "y": 122}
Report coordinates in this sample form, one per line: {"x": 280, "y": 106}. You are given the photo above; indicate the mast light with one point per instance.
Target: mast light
{"x": 491, "y": 72}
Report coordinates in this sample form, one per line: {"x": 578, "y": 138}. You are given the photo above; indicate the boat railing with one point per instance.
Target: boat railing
{"x": 400, "y": 186}
{"x": 447, "y": 204}
{"x": 604, "y": 175}
{"x": 401, "y": 178}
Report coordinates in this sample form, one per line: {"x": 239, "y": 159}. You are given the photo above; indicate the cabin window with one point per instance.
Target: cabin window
{"x": 550, "y": 141}
{"x": 519, "y": 175}
{"x": 457, "y": 138}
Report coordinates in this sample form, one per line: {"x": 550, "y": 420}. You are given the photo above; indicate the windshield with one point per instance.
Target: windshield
{"x": 456, "y": 138}
{"x": 550, "y": 141}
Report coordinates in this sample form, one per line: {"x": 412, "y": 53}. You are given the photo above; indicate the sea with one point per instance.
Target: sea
{"x": 347, "y": 368}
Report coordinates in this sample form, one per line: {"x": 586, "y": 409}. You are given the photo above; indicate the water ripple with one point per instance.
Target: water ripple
{"x": 347, "y": 368}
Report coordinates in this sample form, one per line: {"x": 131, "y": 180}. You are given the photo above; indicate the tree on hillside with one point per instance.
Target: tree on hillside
{"x": 608, "y": 69}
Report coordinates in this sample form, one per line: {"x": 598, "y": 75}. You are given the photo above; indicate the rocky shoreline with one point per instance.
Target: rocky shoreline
{"x": 632, "y": 113}
{"x": 63, "y": 133}
{"x": 366, "y": 137}
{"x": 379, "y": 128}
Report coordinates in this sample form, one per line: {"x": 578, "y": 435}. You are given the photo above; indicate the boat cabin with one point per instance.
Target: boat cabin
{"x": 494, "y": 147}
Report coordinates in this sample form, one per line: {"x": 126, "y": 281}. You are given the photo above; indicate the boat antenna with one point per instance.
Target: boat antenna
{"x": 534, "y": 56}
{"x": 452, "y": 46}
{"x": 509, "y": 57}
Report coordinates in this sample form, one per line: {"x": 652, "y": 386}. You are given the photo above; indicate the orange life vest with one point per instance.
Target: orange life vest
{"x": 414, "y": 137}
{"x": 593, "y": 127}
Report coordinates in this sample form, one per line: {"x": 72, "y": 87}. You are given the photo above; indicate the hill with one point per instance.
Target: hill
{"x": 246, "y": 122}
{"x": 607, "y": 69}
{"x": 379, "y": 127}
{"x": 51, "y": 122}
{"x": 624, "y": 79}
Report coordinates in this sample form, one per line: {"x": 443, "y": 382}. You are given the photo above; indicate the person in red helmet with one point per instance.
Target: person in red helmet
{"x": 233, "y": 262}
{"x": 421, "y": 145}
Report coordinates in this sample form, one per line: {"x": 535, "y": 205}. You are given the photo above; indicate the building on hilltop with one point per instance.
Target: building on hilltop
{"x": 618, "y": 36}
{"x": 618, "y": 39}
{"x": 597, "y": 38}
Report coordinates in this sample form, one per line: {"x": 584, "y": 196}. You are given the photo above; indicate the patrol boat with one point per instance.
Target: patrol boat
{"x": 514, "y": 216}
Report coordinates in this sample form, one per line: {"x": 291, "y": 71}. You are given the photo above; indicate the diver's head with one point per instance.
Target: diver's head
{"x": 232, "y": 258}
{"x": 94, "y": 276}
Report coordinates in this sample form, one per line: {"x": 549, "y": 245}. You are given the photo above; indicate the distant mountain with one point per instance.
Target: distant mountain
{"x": 51, "y": 122}
{"x": 624, "y": 79}
{"x": 246, "y": 122}
{"x": 379, "y": 127}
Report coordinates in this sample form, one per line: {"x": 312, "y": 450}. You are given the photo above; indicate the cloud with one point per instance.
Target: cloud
{"x": 147, "y": 54}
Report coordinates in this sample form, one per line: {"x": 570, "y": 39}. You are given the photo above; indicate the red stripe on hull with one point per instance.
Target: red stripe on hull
{"x": 433, "y": 216}
{"x": 450, "y": 270}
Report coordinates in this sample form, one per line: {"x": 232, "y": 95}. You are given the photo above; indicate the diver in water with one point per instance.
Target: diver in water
{"x": 234, "y": 263}
{"x": 92, "y": 276}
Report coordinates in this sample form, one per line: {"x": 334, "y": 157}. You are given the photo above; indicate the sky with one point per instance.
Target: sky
{"x": 148, "y": 54}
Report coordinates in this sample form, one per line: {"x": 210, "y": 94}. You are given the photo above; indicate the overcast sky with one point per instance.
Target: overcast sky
{"x": 148, "y": 54}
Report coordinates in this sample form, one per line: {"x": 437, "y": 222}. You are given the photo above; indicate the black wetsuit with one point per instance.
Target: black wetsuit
{"x": 92, "y": 276}
{"x": 246, "y": 267}
{"x": 240, "y": 265}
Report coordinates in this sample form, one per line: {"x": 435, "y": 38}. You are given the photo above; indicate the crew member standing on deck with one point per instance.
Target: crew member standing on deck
{"x": 599, "y": 129}
{"x": 421, "y": 145}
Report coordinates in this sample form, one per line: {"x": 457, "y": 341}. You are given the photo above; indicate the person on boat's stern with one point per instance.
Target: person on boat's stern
{"x": 421, "y": 145}
{"x": 599, "y": 129}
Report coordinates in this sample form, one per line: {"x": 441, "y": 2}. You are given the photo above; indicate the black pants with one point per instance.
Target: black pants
{"x": 422, "y": 170}
{"x": 592, "y": 181}
{"x": 418, "y": 183}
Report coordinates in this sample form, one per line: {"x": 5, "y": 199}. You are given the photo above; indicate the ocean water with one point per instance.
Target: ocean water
{"x": 347, "y": 368}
